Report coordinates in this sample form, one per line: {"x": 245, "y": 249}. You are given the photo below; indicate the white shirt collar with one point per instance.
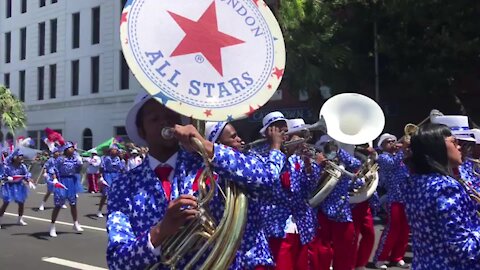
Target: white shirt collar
{"x": 154, "y": 163}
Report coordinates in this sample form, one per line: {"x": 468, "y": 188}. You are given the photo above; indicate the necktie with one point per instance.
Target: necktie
{"x": 162, "y": 173}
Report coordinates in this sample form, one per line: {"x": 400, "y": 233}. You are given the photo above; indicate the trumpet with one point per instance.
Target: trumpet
{"x": 306, "y": 135}
{"x": 410, "y": 128}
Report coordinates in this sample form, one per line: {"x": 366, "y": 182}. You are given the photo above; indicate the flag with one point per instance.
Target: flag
{"x": 60, "y": 185}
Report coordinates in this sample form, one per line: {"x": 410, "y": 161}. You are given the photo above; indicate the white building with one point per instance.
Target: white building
{"x": 63, "y": 59}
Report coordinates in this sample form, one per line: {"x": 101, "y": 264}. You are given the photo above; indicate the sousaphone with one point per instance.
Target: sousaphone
{"x": 355, "y": 119}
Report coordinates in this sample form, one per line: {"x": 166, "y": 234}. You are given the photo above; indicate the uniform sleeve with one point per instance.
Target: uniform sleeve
{"x": 248, "y": 170}
{"x": 351, "y": 163}
{"x": 390, "y": 162}
{"x": 126, "y": 249}
{"x": 462, "y": 237}
{"x": 28, "y": 175}
{"x": 308, "y": 181}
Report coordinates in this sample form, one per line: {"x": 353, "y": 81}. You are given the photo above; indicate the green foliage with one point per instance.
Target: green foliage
{"x": 12, "y": 113}
{"x": 424, "y": 47}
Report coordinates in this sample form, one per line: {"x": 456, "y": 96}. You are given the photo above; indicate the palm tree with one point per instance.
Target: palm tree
{"x": 11, "y": 109}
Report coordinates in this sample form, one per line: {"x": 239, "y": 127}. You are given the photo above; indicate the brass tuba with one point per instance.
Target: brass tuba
{"x": 204, "y": 233}
{"x": 350, "y": 118}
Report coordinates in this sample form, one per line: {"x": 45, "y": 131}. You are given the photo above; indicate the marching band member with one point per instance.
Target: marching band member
{"x": 459, "y": 127}
{"x": 134, "y": 160}
{"x": 112, "y": 166}
{"x": 362, "y": 214}
{"x": 152, "y": 201}
{"x": 392, "y": 175}
{"x": 14, "y": 188}
{"x": 444, "y": 221}
{"x": 336, "y": 235}
{"x": 47, "y": 168}
{"x": 66, "y": 169}
{"x": 93, "y": 171}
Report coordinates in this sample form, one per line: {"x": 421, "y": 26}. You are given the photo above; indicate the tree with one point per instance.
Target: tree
{"x": 12, "y": 112}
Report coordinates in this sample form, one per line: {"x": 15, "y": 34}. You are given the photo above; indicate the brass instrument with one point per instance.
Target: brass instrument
{"x": 204, "y": 233}
{"x": 352, "y": 119}
{"x": 410, "y": 128}
{"x": 369, "y": 173}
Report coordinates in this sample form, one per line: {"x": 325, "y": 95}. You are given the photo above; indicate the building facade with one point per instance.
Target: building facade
{"x": 63, "y": 59}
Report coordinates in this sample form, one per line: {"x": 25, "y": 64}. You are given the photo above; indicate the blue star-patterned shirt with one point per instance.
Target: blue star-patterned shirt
{"x": 113, "y": 165}
{"x": 393, "y": 174}
{"x": 68, "y": 166}
{"x": 444, "y": 223}
{"x": 137, "y": 201}
{"x": 11, "y": 170}
{"x": 336, "y": 205}
{"x": 50, "y": 166}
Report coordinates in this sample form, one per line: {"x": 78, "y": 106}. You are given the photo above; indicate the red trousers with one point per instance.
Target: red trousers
{"x": 92, "y": 182}
{"x": 288, "y": 253}
{"x": 363, "y": 223}
{"x": 335, "y": 241}
{"x": 394, "y": 240}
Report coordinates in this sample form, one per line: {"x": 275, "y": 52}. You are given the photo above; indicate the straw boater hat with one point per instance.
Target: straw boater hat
{"x": 213, "y": 130}
{"x": 385, "y": 136}
{"x": 270, "y": 119}
{"x": 458, "y": 124}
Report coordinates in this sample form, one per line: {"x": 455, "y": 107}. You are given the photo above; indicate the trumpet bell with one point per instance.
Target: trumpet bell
{"x": 353, "y": 118}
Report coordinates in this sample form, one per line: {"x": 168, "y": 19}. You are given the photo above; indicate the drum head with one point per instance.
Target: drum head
{"x": 207, "y": 59}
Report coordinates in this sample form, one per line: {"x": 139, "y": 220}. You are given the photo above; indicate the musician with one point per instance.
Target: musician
{"x": 459, "y": 126}
{"x": 47, "y": 168}
{"x": 65, "y": 171}
{"x": 445, "y": 225}
{"x": 335, "y": 238}
{"x": 290, "y": 247}
{"x": 362, "y": 214}
{"x": 152, "y": 201}
{"x": 15, "y": 178}
{"x": 392, "y": 176}
{"x": 112, "y": 167}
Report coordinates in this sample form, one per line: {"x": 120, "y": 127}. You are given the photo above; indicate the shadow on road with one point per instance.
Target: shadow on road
{"x": 42, "y": 235}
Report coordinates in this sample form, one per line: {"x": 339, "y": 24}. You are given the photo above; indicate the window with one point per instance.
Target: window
{"x": 53, "y": 81}
{"x": 96, "y": 25}
{"x": 23, "y": 43}
{"x": 40, "y": 82}
{"x": 95, "y": 76}
{"x": 42, "y": 3}
{"x": 8, "y": 8}
{"x": 21, "y": 87}
{"x": 121, "y": 132}
{"x": 41, "y": 39}
{"x": 6, "y": 80}
{"x": 87, "y": 139}
{"x": 75, "y": 77}
{"x": 124, "y": 73}
{"x": 54, "y": 1}
{"x": 37, "y": 136}
{"x": 8, "y": 46}
{"x": 76, "y": 30}
{"x": 24, "y": 6}
{"x": 53, "y": 36}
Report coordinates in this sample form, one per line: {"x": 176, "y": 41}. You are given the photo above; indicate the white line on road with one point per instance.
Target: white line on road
{"x": 57, "y": 222}
{"x": 41, "y": 193}
{"x": 71, "y": 264}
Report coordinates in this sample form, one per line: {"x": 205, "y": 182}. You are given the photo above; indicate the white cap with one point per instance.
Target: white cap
{"x": 458, "y": 124}
{"x": 270, "y": 119}
{"x": 213, "y": 130}
{"x": 130, "y": 123}
{"x": 476, "y": 134}
{"x": 385, "y": 136}
{"x": 295, "y": 125}
{"x": 134, "y": 151}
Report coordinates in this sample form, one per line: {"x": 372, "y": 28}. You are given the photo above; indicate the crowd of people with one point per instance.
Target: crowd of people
{"x": 426, "y": 180}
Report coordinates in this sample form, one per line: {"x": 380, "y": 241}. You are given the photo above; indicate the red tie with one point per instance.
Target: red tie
{"x": 162, "y": 173}
{"x": 285, "y": 180}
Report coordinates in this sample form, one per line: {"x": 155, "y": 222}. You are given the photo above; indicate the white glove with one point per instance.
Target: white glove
{"x": 103, "y": 181}
{"x": 10, "y": 179}
{"x": 55, "y": 181}
{"x": 45, "y": 175}
{"x": 31, "y": 185}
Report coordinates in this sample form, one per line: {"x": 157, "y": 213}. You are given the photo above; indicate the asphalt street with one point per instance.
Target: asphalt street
{"x": 31, "y": 247}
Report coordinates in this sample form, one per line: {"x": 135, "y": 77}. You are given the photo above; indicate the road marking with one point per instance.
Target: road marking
{"x": 41, "y": 193}
{"x": 57, "y": 222}
{"x": 71, "y": 264}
